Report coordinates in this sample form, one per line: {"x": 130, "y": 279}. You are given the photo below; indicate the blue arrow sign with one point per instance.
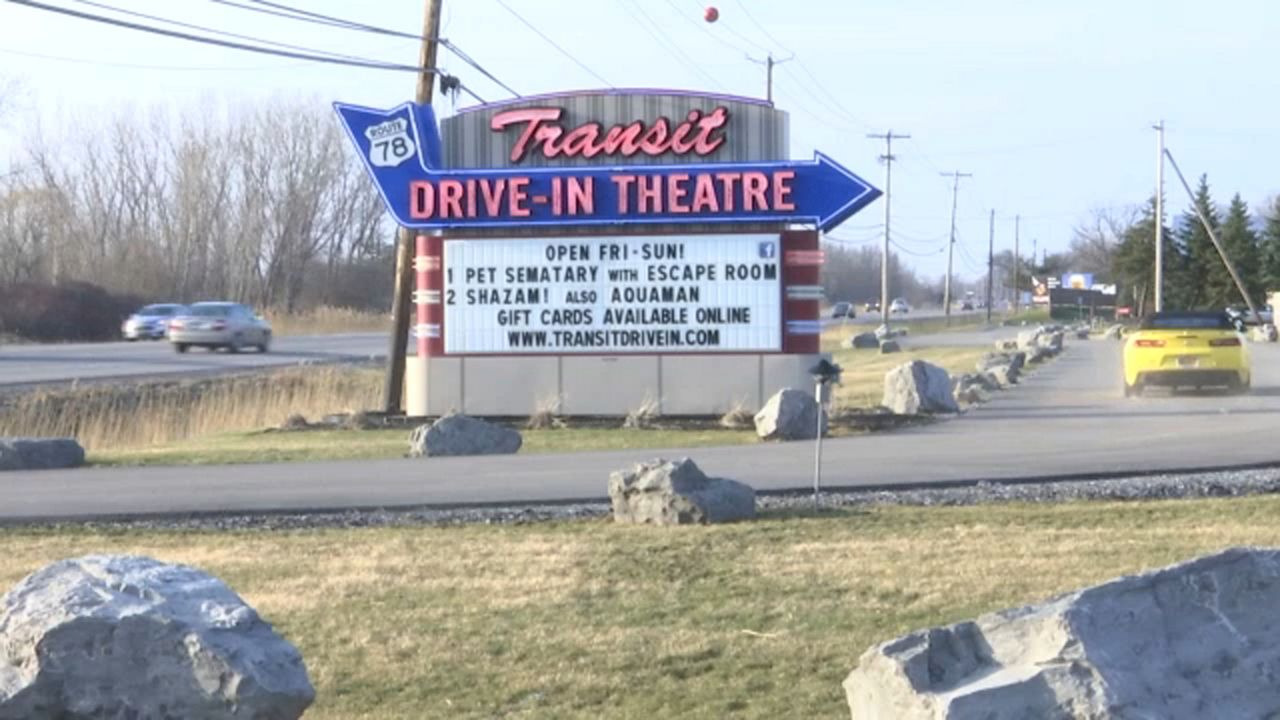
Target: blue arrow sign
{"x": 401, "y": 149}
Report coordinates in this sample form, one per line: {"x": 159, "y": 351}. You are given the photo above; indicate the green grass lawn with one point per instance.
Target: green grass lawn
{"x": 588, "y": 620}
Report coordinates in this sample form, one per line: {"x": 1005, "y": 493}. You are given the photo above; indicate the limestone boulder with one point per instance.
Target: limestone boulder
{"x": 40, "y": 453}
{"x": 1016, "y": 359}
{"x": 119, "y": 636}
{"x": 1194, "y": 641}
{"x": 1050, "y": 342}
{"x": 1037, "y": 355}
{"x": 1262, "y": 333}
{"x": 789, "y": 415}
{"x": 970, "y": 395}
{"x": 981, "y": 380}
{"x": 665, "y": 492}
{"x": 884, "y": 332}
{"x": 864, "y": 341}
{"x": 1029, "y": 339}
{"x": 890, "y": 346}
{"x": 1003, "y": 376}
{"x": 1006, "y": 345}
{"x": 919, "y": 387}
{"x": 463, "y": 435}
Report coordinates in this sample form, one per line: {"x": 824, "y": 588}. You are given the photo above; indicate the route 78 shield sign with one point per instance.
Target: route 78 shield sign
{"x": 389, "y": 143}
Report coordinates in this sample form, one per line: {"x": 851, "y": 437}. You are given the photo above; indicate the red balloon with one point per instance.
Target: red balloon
{"x": 711, "y": 14}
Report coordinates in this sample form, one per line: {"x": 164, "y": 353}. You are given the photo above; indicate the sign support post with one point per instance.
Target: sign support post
{"x": 393, "y": 385}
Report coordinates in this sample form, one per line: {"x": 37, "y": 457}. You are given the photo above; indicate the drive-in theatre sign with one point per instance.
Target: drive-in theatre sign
{"x": 402, "y": 148}
{"x": 602, "y": 232}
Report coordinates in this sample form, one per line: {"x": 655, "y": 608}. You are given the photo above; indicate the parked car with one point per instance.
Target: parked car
{"x": 966, "y": 305}
{"x": 219, "y": 324}
{"x": 1186, "y": 349}
{"x": 150, "y": 322}
{"x": 1241, "y": 317}
{"x": 899, "y": 305}
{"x": 843, "y": 310}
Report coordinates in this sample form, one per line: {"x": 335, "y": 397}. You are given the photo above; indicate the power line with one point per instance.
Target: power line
{"x": 137, "y": 66}
{"x": 301, "y": 14}
{"x": 753, "y": 20}
{"x": 553, "y": 43}
{"x": 740, "y": 36}
{"x": 847, "y": 120}
{"x": 646, "y": 21}
{"x": 215, "y": 31}
{"x": 703, "y": 28}
{"x": 908, "y": 251}
{"x": 832, "y": 101}
{"x": 277, "y": 13}
{"x": 330, "y": 59}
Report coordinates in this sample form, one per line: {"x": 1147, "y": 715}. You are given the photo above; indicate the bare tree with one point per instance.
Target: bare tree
{"x": 1095, "y": 241}
{"x": 258, "y": 207}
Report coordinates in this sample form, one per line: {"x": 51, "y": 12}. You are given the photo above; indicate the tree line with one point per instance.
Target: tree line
{"x": 853, "y": 274}
{"x": 1194, "y": 274}
{"x": 267, "y": 206}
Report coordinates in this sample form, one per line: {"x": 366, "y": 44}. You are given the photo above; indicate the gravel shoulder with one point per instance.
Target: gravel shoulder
{"x": 1231, "y": 483}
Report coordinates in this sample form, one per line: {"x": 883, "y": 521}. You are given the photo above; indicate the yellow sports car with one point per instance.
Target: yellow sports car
{"x": 1186, "y": 349}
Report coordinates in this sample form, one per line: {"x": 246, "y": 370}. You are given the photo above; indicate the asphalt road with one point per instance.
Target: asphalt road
{"x": 27, "y": 365}
{"x": 1067, "y": 419}
{"x": 917, "y": 313}
{"x": 22, "y": 365}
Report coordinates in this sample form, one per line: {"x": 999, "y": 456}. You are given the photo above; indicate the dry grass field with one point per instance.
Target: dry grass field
{"x": 128, "y": 415}
{"x": 590, "y": 620}
{"x": 326, "y": 320}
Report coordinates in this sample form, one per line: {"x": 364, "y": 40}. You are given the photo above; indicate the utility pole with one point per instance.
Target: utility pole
{"x": 1159, "y": 128}
{"x": 768, "y": 63}
{"x": 888, "y": 159}
{"x": 1213, "y": 236}
{"x": 393, "y": 387}
{"x": 1017, "y": 296}
{"x": 951, "y": 246}
{"x": 991, "y": 260}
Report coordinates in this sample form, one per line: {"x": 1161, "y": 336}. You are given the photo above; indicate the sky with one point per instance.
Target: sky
{"x": 1048, "y": 105}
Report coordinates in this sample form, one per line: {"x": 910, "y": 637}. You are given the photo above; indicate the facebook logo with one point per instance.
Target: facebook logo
{"x": 768, "y": 250}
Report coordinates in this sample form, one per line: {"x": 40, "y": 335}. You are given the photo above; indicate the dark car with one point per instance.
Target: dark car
{"x": 872, "y": 306}
{"x": 843, "y": 310}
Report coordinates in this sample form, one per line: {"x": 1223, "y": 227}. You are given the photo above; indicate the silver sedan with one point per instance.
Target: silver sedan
{"x": 150, "y": 322}
{"x": 219, "y": 324}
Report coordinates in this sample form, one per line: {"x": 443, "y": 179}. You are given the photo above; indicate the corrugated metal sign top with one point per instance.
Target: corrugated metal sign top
{"x": 753, "y": 130}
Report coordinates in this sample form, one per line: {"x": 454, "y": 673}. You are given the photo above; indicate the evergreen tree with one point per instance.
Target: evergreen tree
{"x": 1133, "y": 265}
{"x": 1270, "y": 247}
{"x": 1240, "y": 243}
{"x": 1201, "y": 256}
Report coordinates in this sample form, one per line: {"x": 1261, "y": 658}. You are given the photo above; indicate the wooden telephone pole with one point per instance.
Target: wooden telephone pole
{"x": 401, "y": 304}
{"x": 951, "y": 245}
{"x": 769, "y": 63}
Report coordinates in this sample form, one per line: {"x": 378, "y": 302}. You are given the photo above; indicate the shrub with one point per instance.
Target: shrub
{"x": 74, "y": 311}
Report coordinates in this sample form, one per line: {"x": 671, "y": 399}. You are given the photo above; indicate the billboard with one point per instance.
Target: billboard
{"x": 613, "y": 294}
{"x": 1077, "y": 281}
